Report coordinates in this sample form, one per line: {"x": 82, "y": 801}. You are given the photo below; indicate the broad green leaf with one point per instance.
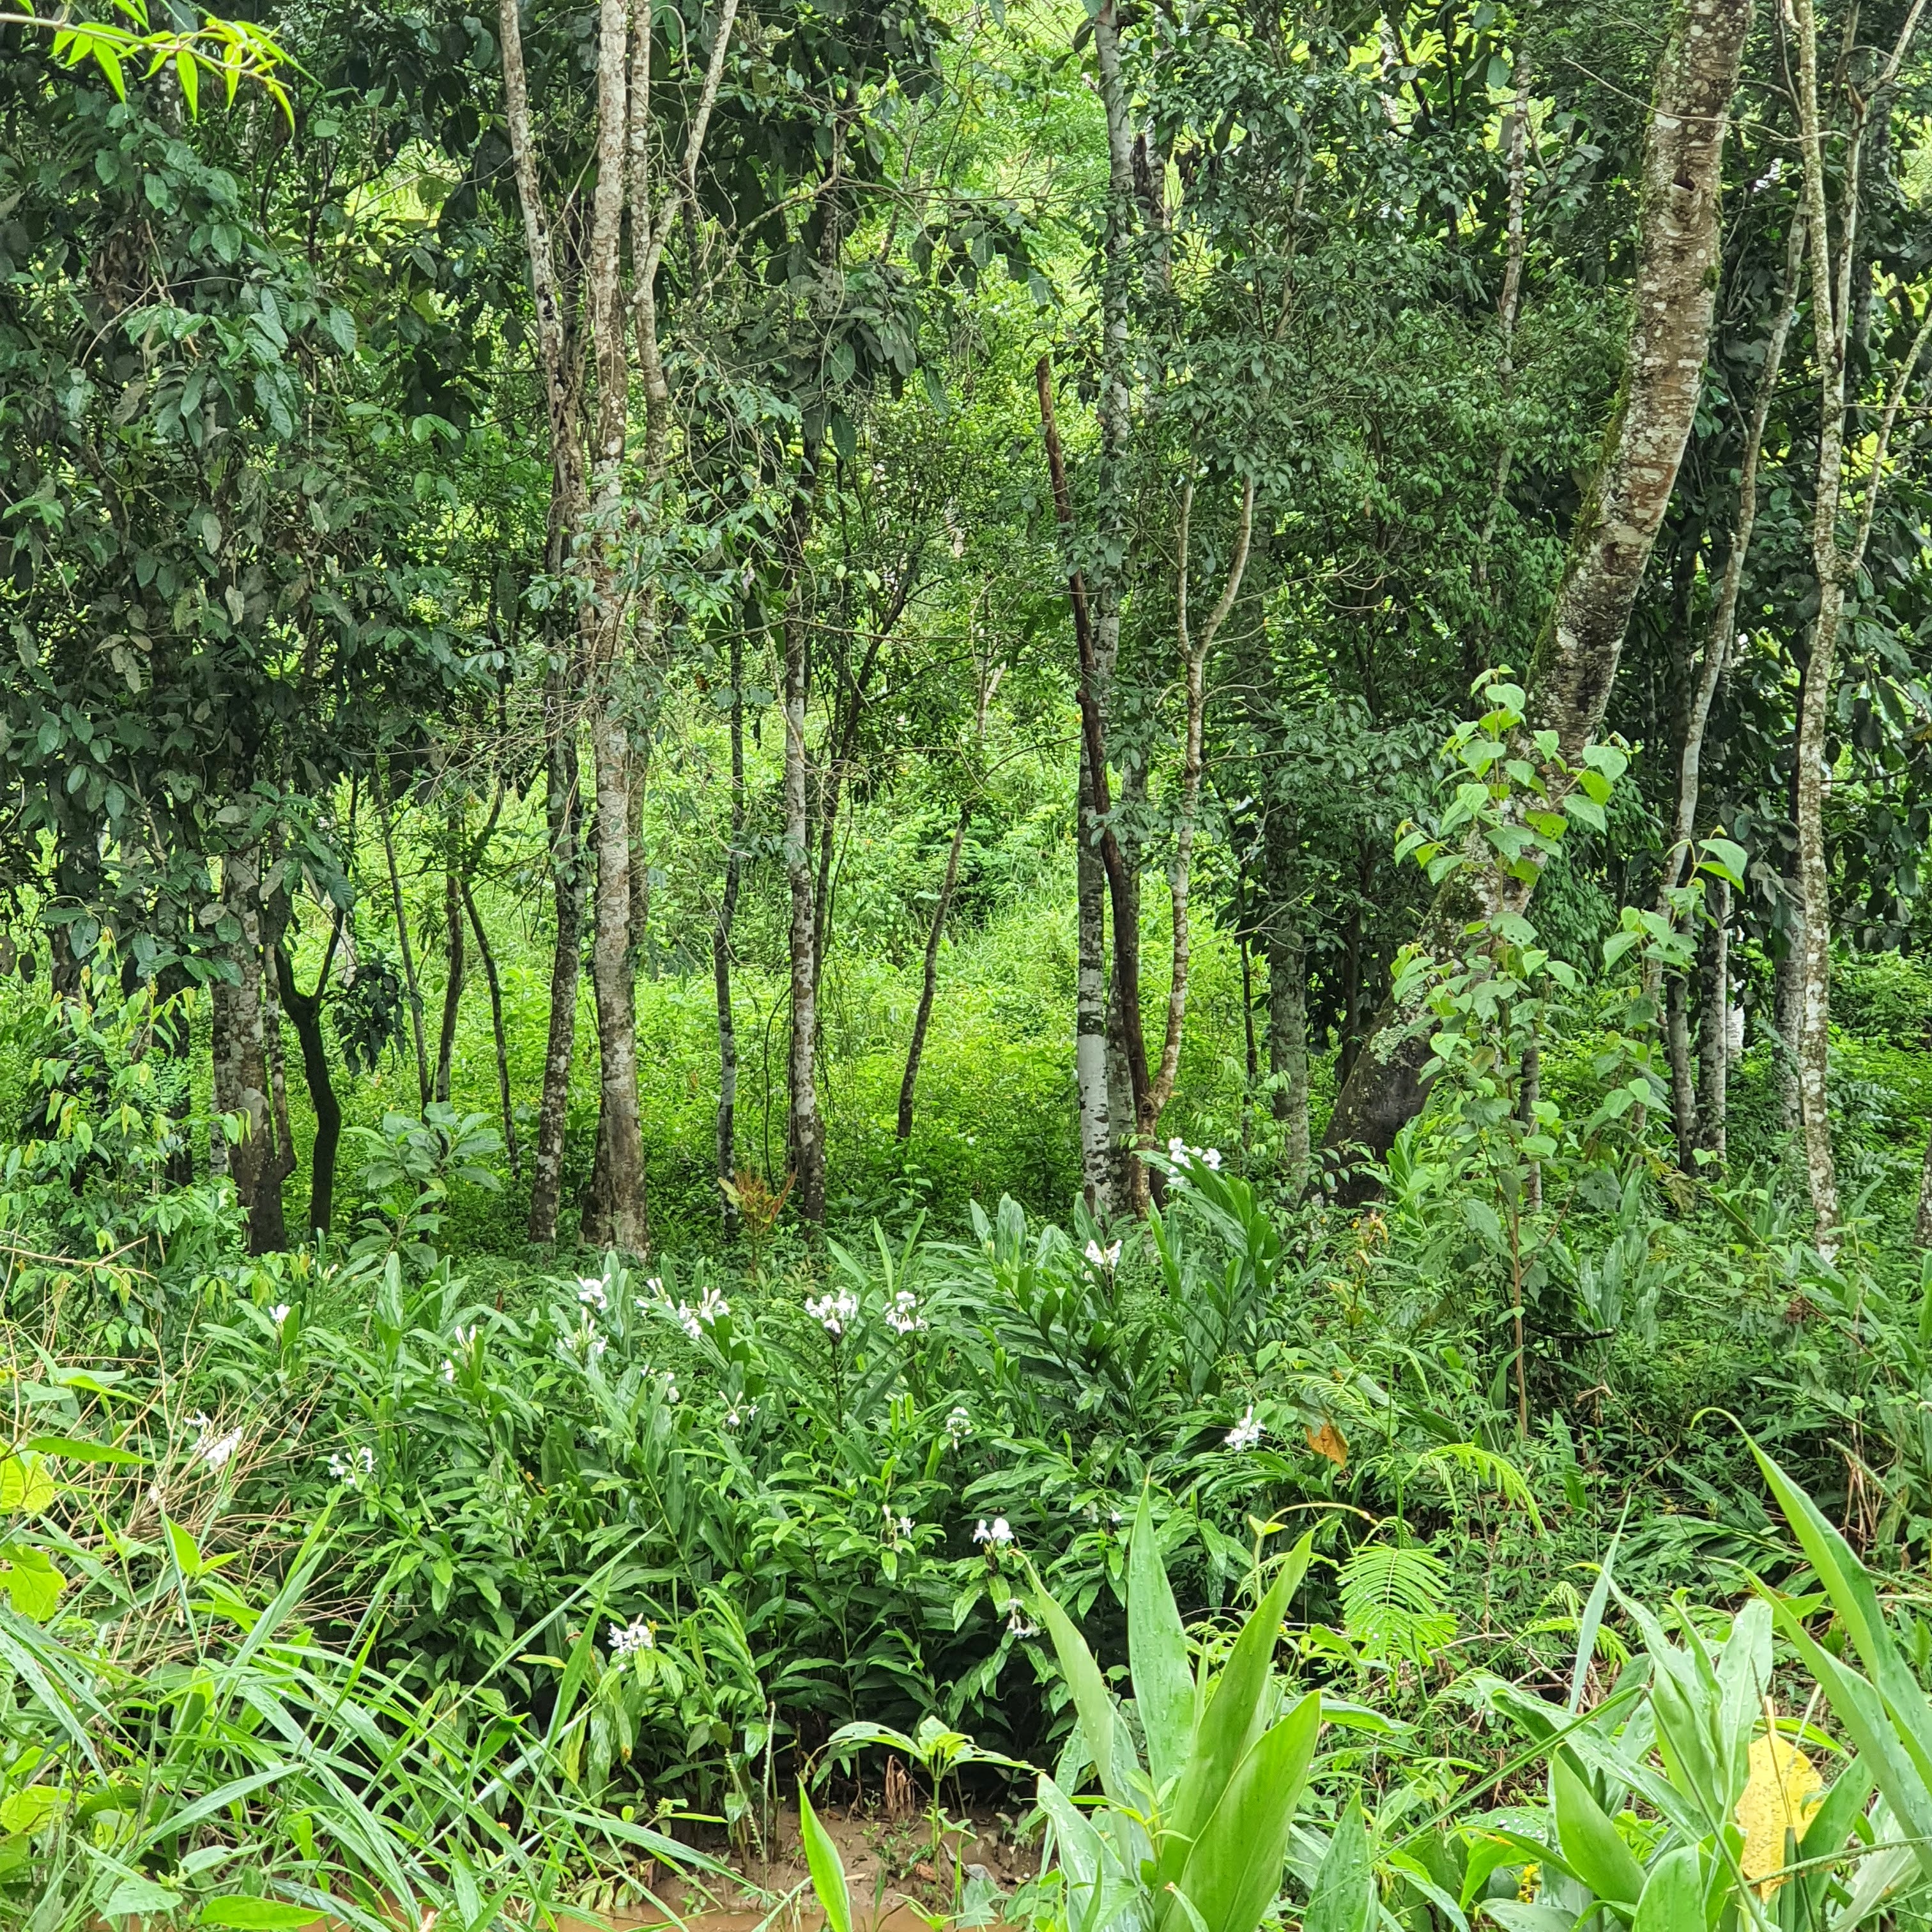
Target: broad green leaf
{"x": 77, "y": 1450}
{"x": 1592, "y": 1846}
{"x": 827, "y": 1869}
{"x": 1157, "y": 1654}
{"x": 1344, "y": 1891}
{"x": 1093, "y": 1702}
{"x": 1513, "y": 1915}
{"x": 27, "y": 1485}
{"x": 32, "y": 1584}
{"x": 1672, "y": 1900}
{"x": 1234, "y": 1871}
{"x": 27, "y": 1811}
{"x": 1238, "y": 1710}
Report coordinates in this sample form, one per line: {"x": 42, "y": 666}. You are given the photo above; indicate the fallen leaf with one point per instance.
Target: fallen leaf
{"x": 1329, "y": 1441}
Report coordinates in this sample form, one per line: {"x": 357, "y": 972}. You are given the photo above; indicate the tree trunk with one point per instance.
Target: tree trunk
{"x": 1288, "y": 1042}
{"x": 411, "y": 983}
{"x": 305, "y": 1011}
{"x": 453, "y": 887}
{"x": 727, "y": 1148}
{"x": 1787, "y": 1009}
{"x": 1836, "y": 566}
{"x": 1089, "y": 1004}
{"x": 241, "y": 1068}
{"x": 1194, "y": 664}
{"x": 562, "y": 813}
{"x": 806, "y": 1132}
{"x": 1574, "y": 665}
{"x": 1713, "y": 1033}
{"x": 1683, "y": 1087}
{"x": 494, "y": 981}
{"x": 1922, "y": 1225}
{"x": 929, "y": 986}
{"x": 1529, "y": 1093}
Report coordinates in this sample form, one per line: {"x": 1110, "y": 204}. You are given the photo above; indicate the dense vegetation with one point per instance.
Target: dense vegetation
{"x": 967, "y": 910}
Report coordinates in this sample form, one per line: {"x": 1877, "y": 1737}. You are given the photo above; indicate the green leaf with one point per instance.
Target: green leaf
{"x": 139, "y": 1894}
{"x": 1157, "y": 1654}
{"x": 1093, "y": 1702}
{"x": 1673, "y": 1895}
{"x": 1344, "y": 1883}
{"x": 1592, "y": 1846}
{"x": 827, "y": 1870}
{"x": 32, "y": 1584}
{"x": 77, "y": 1450}
{"x": 188, "y": 71}
{"x": 1233, "y": 1870}
{"x": 27, "y": 1485}
{"x": 255, "y": 1914}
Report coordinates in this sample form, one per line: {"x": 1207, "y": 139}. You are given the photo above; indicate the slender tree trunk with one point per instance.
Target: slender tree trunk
{"x": 1922, "y": 1225}
{"x": 412, "y": 985}
{"x": 1122, "y": 895}
{"x": 1529, "y": 1093}
{"x": 1089, "y": 1004}
{"x": 453, "y": 888}
{"x": 1787, "y": 1010}
{"x": 1194, "y": 661}
{"x": 1574, "y": 667}
{"x": 281, "y": 1162}
{"x": 807, "y": 1133}
{"x": 494, "y": 981}
{"x": 720, "y": 954}
{"x": 1714, "y": 1034}
{"x": 1683, "y": 1087}
{"x": 1287, "y": 1043}
{"x": 929, "y": 986}
{"x": 305, "y": 1011}
{"x": 241, "y": 1066}
{"x": 561, "y": 812}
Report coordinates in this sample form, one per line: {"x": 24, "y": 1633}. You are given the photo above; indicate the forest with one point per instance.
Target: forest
{"x": 965, "y": 963}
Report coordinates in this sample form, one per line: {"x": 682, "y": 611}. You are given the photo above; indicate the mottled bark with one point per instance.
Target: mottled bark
{"x": 1574, "y": 664}
{"x": 1683, "y": 1080}
{"x": 562, "y": 814}
{"x": 1090, "y": 1003}
{"x": 241, "y": 1065}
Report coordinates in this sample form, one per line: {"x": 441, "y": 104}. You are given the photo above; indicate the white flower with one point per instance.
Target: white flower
{"x": 735, "y": 1417}
{"x": 1114, "y": 1517}
{"x": 687, "y": 1320}
{"x": 1107, "y": 1258}
{"x": 590, "y": 1291}
{"x": 996, "y": 1534}
{"x": 448, "y": 1371}
{"x": 713, "y": 1308}
{"x": 351, "y": 1469}
{"x": 1246, "y": 1433}
{"x": 1016, "y": 1621}
{"x": 279, "y": 1313}
{"x": 464, "y": 1338}
{"x": 1209, "y": 1158}
{"x": 1771, "y": 176}
{"x": 1176, "y": 1148}
{"x": 215, "y": 1454}
{"x": 655, "y": 1284}
{"x": 903, "y": 1317}
{"x": 958, "y": 1425}
{"x": 833, "y": 1312}
{"x": 626, "y": 1639}
{"x": 905, "y": 1525}
{"x": 671, "y": 1391}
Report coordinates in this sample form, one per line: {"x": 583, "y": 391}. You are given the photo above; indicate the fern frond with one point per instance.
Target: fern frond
{"x": 1395, "y": 1603}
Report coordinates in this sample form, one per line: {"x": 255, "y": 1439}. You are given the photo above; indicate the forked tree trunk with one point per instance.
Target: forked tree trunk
{"x": 929, "y": 985}
{"x": 1574, "y": 665}
{"x": 304, "y": 1012}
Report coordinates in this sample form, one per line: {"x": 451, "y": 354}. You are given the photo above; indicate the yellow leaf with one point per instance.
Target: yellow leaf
{"x": 1781, "y": 1794}
{"x": 1328, "y": 1441}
